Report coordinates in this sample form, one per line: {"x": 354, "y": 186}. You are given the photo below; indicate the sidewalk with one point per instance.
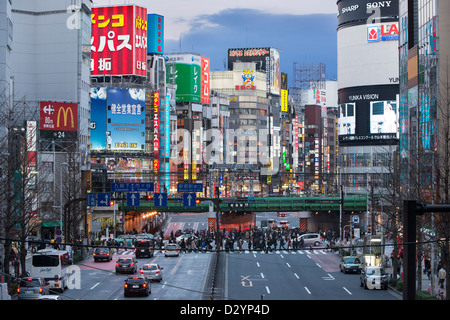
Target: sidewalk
{"x": 426, "y": 283}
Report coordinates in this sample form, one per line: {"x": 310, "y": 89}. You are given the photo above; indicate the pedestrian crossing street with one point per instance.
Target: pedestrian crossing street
{"x": 237, "y": 251}
{"x": 314, "y": 251}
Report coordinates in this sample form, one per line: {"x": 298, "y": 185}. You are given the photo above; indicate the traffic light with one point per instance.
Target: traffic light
{"x": 111, "y": 203}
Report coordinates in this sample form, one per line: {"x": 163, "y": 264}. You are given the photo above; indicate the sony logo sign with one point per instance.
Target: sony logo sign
{"x": 378, "y": 4}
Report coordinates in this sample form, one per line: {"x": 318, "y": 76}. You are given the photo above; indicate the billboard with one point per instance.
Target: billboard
{"x": 368, "y": 114}
{"x": 98, "y": 119}
{"x": 355, "y": 12}
{"x": 370, "y": 49}
{"x": 119, "y": 40}
{"x": 266, "y": 59}
{"x": 184, "y": 70}
{"x": 58, "y": 120}
{"x": 125, "y": 119}
{"x": 155, "y": 33}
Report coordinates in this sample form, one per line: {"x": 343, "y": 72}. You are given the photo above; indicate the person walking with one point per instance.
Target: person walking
{"x": 441, "y": 275}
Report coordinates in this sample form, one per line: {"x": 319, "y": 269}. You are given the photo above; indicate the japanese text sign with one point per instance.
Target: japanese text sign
{"x": 119, "y": 40}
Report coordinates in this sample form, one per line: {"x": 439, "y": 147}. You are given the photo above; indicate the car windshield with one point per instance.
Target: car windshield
{"x": 101, "y": 250}
{"x": 30, "y": 283}
{"x": 150, "y": 267}
{"x": 125, "y": 260}
{"x": 375, "y": 271}
{"x": 351, "y": 260}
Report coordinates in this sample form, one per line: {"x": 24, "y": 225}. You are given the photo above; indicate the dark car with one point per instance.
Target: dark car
{"x": 350, "y": 264}
{"x": 137, "y": 285}
{"x": 31, "y": 288}
{"x": 102, "y": 254}
{"x": 143, "y": 248}
{"x": 127, "y": 265}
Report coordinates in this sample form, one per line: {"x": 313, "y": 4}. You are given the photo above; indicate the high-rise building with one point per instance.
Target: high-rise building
{"x": 368, "y": 93}
{"x": 424, "y": 51}
{"x": 45, "y": 59}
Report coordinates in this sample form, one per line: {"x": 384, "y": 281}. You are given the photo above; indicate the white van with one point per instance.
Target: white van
{"x": 310, "y": 239}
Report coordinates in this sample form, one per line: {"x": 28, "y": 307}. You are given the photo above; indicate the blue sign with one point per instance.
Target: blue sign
{"x": 133, "y": 200}
{"x": 189, "y": 200}
{"x": 190, "y": 187}
{"x": 91, "y": 199}
{"x": 103, "y": 199}
{"x": 160, "y": 200}
{"x": 132, "y": 187}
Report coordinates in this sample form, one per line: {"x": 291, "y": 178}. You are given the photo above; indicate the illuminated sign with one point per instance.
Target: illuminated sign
{"x": 205, "y": 81}
{"x": 125, "y": 119}
{"x": 119, "y": 40}
{"x": 98, "y": 119}
{"x": 155, "y": 34}
{"x": 184, "y": 70}
{"x": 156, "y": 123}
{"x": 59, "y": 120}
{"x": 31, "y": 144}
{"x": 384, "y": 32}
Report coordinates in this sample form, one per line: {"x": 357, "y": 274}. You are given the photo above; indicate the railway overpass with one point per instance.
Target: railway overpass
{"x": 317, "y": 204}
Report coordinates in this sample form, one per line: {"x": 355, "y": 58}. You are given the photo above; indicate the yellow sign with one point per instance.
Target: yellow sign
{"x": 284, "y": 100}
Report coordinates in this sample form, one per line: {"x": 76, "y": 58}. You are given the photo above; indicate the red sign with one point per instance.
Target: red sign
{"x": 205, "y": 81}
{"x": 58, "y": 116}
{"x": 119, "y": 40}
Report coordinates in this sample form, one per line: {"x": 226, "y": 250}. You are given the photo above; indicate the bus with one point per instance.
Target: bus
{"x": 51, "y": 265}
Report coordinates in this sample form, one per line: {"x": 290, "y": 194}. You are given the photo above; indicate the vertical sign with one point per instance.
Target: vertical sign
{"x": 119, "y": 40}
{"x": 205, "y": 81}
{"x": 156, "y": 123}
{"x": 284, "y": 93}
{"x": 155, "y": 34}
{"x": 31, "y": 144}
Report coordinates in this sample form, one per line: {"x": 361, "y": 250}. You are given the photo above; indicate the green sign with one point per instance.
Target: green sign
{"x": 184, "y": 71}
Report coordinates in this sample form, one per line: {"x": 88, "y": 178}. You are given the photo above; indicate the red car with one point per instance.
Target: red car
{"x": 281, "y": 214}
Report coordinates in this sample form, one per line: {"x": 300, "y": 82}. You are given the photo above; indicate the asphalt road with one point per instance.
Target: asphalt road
{"x": 294, "y": 275}
{"x": 183, "y": 278}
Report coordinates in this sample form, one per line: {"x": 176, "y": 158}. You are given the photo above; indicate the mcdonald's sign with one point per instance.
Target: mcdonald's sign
{"x": 58, "y": 117}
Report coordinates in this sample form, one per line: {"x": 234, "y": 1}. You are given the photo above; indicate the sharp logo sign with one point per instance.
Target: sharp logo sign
{"x": 384, "y": 32}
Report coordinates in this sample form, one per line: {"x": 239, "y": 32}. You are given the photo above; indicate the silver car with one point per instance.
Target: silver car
{"x": 153, "y": 271}
{"x": 172, "y": 250}
{"x": 310, "y": 239}
{"x": 31, "y": 288}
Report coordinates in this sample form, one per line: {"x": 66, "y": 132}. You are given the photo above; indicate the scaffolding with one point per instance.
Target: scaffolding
{"x": 307, "y": 76}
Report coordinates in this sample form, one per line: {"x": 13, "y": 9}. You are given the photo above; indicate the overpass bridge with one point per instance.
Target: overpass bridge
{"x": 319, "y": 204}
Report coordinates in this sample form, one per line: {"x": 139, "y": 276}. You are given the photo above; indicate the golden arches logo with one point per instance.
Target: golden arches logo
{"x": 65, "y": 112}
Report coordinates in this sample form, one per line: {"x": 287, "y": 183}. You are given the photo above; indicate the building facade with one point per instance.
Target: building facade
{"x": 424, "y": 49}
{"x": 368, "y": 93}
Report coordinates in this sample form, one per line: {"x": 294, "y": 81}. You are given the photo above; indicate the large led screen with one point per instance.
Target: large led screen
{"x": 126, "y": 119}
{"x": 117, "y": 119}
{"x": 368, "y": 114}
{"x": 98, "y": 119}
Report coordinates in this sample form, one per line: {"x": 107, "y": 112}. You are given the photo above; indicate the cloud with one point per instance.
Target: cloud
{"x": 179, "y": 14}
{"x": 300, "y": 38}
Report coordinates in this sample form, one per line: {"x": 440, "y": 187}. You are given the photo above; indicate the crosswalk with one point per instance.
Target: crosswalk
{"x": 237, "y": 251}
{"x": 292, "y": 252}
